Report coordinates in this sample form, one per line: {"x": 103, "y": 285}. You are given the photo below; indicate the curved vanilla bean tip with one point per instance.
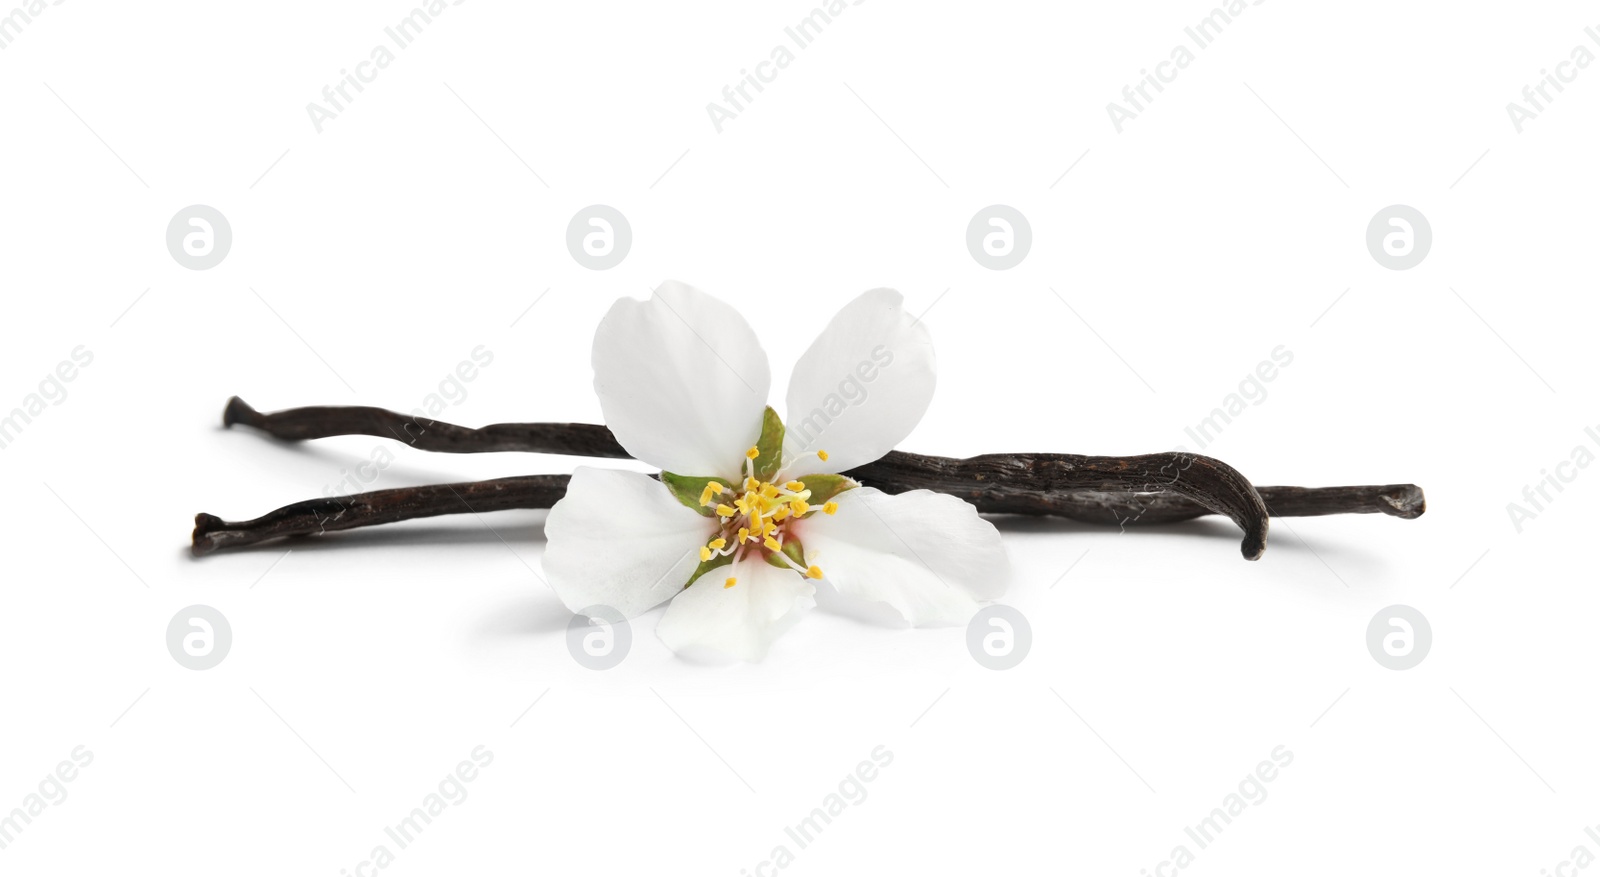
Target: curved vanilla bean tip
{"x": 314, "y": 516}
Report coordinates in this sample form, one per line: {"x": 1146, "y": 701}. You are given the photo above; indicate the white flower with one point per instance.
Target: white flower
{"x": 757, "y": 510}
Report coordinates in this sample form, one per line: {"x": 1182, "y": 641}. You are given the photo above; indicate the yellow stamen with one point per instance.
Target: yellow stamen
{"x": 769, "y": 528}
{"x": 823, "y": 456}
{"x": 781, "y": 513}
{"x": 744, "y": 535}
{"x": 751, "y": 484}
{"x": 796, "y": 486}
{"x": 730, "y": 582}
{"x": 705, "y": 554}
{"x": 705, "y": 496}
{"x": 829, "y": 508}
{"x": 718, "y": 543}
{"x": 815, "y": 571}
{"x": 801, "y": 507}
{"x": 769, "y": 491}
{"x": 725, "y": 510}
{"x": 752, "y": 453}
{"x": 714, "y": 487}
{"x": 772, "y": 544}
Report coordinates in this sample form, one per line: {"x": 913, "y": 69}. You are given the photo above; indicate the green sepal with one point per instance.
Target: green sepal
{"x": 707, "y": 566}
{"x": 793, "y": 550}
{"x": 824, "y": 488}
{"x": 770, "y": 460}
{"x": 687, "y": 488}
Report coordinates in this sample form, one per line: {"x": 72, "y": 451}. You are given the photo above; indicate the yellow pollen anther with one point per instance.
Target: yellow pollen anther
{"x": 751, "y": 484}
{"x": 714, "y": 487}
{"x": 781, "y": 513}
{"x": 772, "y": 544}
{"x": 730, "y": 582}
{"x": 823, "y": 456}
{"x": 801, "y": 506}
{"x": 705, "y": 554}
{"x": 718, "y": 543}
{"x": 770, "y": 528}
{"x": 796, "y": 486}
{"x": 725, "y": 510}
{"x": 829, "y": 508}
{"x": 752, "y": 453}
{"x": 705, "y": 496}
{"x": 744, "y": 535}
{"x": 815, "y": 571}
{"x": 769, "y": 491}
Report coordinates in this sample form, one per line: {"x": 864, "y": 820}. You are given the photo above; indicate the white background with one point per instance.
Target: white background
{"x": 1221, "y": 223}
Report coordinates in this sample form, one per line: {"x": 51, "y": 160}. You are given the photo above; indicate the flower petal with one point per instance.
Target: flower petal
{"x": 741, "y": 621}
{"x": 682, "y": 380}
{"x": 862, "y": 385}
{"x": 928, "y": 555}
{"x": 621, "y": 539}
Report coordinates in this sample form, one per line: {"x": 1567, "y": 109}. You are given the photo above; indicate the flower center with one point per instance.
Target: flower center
{"x": 756, "y": 517}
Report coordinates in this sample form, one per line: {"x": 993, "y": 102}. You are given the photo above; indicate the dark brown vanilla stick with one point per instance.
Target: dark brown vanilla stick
{"x": 1212, "y": 484}
{"x": 315, "y": 516}
{"x": 997, "y": 479}
{"x": 1153, "y": 488}
{"x": 299, "y": 424}
{"x": 1111, "y": 507}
